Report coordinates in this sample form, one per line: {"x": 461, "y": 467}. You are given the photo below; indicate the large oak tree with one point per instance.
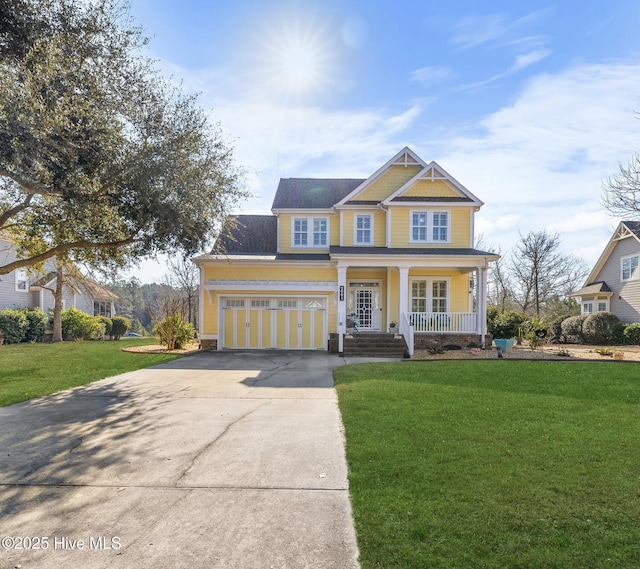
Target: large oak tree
{"x": 101, "y": 160}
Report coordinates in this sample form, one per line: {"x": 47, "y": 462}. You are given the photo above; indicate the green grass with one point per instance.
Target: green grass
{"x": 32, "y": 370}
{"x": 495, "y": 464}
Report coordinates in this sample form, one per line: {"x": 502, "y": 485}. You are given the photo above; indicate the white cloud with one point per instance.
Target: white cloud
{"x": 543, "y": 158}
{"x": 432, "y": 75}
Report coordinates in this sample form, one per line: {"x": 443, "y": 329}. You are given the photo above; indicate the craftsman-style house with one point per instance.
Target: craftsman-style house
{"x": 391, "y": 253}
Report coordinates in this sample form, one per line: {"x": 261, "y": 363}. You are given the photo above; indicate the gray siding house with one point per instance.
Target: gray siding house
{"x": 614, "y": 282}
{"x": 25, "y": 289}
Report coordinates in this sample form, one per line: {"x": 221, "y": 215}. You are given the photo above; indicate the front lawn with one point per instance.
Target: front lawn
{"x": 494, "y": 464}
{"x": 32, "y": 370}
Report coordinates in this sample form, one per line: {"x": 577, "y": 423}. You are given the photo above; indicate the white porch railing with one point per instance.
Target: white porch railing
{"x": 444, "y": 322}
{"x": 406, "y": 329}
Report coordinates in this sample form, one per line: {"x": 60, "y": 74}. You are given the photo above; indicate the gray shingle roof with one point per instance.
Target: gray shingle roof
{"x": 634, "y": 227}
{"x": 311, "y": 193}
{"x": 593, "y": 288}
{"x": 248, "y": 235}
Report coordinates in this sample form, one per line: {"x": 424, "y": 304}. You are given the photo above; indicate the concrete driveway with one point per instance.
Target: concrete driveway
{"x": 214, "y": 460}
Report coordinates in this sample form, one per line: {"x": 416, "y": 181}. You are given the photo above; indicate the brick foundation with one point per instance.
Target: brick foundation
{"x": 424, "y": 341}
{"x": 209, "y": 344}
{"x": 333, "y": 343}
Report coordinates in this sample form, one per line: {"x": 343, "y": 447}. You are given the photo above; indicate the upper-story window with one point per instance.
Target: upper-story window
{"x": 310, "y": 232}
{"x": 440, "y": 226}
{"x": 429, "y": 227}
{"x": 630, "y": 268}
{"x": 364, "y": 232}
{"x": 22, "y": 280}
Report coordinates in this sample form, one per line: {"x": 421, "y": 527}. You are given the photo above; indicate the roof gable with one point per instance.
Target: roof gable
{"x": 433, "y": 184}
{"x": 625, "y": 230}
{"x": 380, "y": 184}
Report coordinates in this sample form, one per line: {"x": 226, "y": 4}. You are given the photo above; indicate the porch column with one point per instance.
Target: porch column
{"x": 482, "y": 302}
{"x": 403, "y": 292}
{"x": 342, "y": 308}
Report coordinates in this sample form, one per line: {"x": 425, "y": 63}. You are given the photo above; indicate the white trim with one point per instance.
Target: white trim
{"x": 400, "y": 156}
{"x": 209, "y": 336}
{"x": 311, "y": 286}
{"x": 201, "y": 293}
{"x": 278, "y": 233}
{"x": 349, "y": 288}
{"x": 371, "y": 229}
{"x": 303, "y": 211}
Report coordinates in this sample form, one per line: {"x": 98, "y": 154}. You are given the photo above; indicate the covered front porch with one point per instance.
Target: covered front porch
{"x": 411, "y": 296}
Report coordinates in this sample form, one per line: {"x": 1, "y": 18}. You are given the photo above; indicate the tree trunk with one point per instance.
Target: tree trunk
{"x": 57, "y": 306}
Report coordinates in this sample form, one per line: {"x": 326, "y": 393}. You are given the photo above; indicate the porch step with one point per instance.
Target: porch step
{"x": 375, "y": 345}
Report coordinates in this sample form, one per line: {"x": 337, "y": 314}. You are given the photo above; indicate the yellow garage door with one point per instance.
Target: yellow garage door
{"x": 284, "y": 323}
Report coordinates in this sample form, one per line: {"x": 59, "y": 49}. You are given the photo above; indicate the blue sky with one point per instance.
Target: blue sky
{"x": 530, "y": 105}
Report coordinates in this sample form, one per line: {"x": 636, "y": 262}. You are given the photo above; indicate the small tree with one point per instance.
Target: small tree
{"x": 171, "y": 328}
{"x": 120, "y": 326}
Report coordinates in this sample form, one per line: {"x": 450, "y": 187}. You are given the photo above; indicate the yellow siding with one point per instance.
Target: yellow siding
{"x": 379, "y": 227}
{"x": 394, "y": 178}
{"x": 427, "y": 188}
{"x": 348, "y": 218}
{"x": 401, "y": 227}
{"x": 334, "y": 229}
{"x": 461, "y": 227}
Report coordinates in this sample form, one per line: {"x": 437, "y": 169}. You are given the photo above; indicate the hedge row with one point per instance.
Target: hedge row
{"x": 29, "y": 324}
{"x": 598, "y": 328}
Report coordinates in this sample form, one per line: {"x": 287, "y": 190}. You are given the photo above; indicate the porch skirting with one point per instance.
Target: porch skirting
{"x": 423, "y": 341}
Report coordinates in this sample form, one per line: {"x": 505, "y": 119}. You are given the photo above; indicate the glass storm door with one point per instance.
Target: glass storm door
{"x": 366, "y": 305}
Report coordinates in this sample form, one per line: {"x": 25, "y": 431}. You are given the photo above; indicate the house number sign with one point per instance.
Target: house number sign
{"x": 341, "y": 293}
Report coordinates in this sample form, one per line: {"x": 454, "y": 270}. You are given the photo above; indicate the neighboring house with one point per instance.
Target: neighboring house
{"x": 22, "y": 289}
{"x": 614, "y": 283}
{"x": 394, "y": 248}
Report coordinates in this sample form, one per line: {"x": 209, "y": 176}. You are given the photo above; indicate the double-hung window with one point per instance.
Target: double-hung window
{"x": 319, "y": 232}
{"x": 419, "y": 227}
{"x": 429, "y": 227}
{"x": 300, "y": 232}
{"x": 310, "y": 232}
{"x": 363, "y": 230}
{"x": 440, "y": 226}
{"x": 22, "y": 280}
{"x": 630, "y": 268}
{"x": 429, "y": 295}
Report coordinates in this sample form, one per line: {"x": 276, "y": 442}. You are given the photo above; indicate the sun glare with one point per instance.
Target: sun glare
{"x": 298, "y": 59}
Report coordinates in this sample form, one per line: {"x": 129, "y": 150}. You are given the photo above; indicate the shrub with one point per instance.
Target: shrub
{"x": 505, "y": 324}
{"x": 572, "y": 329}
{"x": 77, "y": 325}
{"x": 597, "y": 327}
{"x": 174, "y": 331}
{"x": 632, "y": 333}
{"x": 14, "y": 325}
{"x": 617, "y": 333}
{"x": 120, "y": 326}
{"x": 108, "y": 324}
{"x": 36, "y": 324}
{"x": 555, "y": 331}
{"x": 138, "y": 328}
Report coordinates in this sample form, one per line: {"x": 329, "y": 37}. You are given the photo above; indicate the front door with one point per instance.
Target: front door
{"x": 365, "y": 302}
